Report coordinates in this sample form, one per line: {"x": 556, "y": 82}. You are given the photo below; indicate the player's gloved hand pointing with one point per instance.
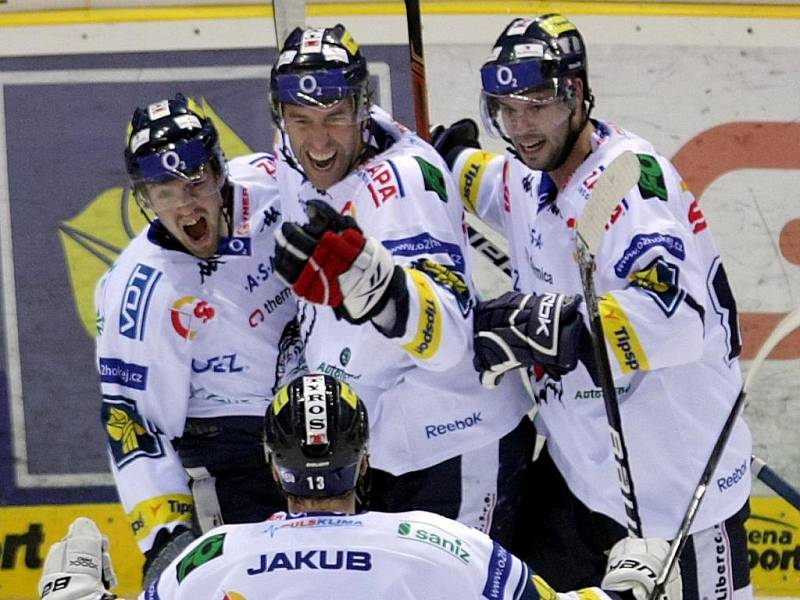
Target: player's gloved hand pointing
{"x": 521, "y": 330}
{"x": 329, "y": 261}
{"x": 79, "y": 566}
{"x": 635, "y": 563}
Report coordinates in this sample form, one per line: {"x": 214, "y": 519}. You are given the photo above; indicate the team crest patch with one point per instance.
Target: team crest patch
{"x": 449, "y": 279}
{"x": 129, "y": 435}
{"x": 659, "y": 280}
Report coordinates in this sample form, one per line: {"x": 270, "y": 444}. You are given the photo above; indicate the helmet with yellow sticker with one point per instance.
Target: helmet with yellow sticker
{"x": 316, "y": 434}
{"x": 318, "y": 67}
{"x": 542, "y": 54}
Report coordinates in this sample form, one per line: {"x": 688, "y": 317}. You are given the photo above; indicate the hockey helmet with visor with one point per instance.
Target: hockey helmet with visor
{"x": 530, "y": 74}
{"x": 318, "y": 68}
{"x": 169, "y": 140}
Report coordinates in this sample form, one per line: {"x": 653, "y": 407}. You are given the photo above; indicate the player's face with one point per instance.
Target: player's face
{"x": 326, "y": 141}
{"x": 538, "y": 126}
{"x": 191, "y": 210}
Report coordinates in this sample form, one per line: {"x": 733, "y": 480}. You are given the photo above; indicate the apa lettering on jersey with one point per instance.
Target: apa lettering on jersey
{"x": 119, "y": 372}
{"x": 727, "y": 482}
{"x": 136, "y": 301}
{"x": 497, "y": 573}
{"x": 384, "y": 183}
{"x": 643, "y": 242}
{"x": 349, "y": 560}
{"x": 441, "y": 429}
{"x": 622, "y": 339}
{"x": 262, "y": 273}
{"x": 425, "y": 243}
{"x": 225, "y": 363}
{"x": 258, "y": 316}
{"x": 441, "y": 539}
{"x": 244, "y": 228}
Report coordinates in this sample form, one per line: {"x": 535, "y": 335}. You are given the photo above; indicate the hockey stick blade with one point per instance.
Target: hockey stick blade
{"x": 788, "y": 324}
{"x": 614, "y": 182}
{"x": 775, "y": 482}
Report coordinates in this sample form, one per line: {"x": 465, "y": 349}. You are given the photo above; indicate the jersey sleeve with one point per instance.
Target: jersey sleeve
{"x": 653, "y": 264}
{"x": 479, "y": 177}
{"x": 144, "y": 383}
{"x": 417, "y": 216}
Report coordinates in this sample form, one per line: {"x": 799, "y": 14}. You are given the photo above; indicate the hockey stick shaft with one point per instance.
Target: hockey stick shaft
{"x": 419, "y": 85}
{"x": 775, "y": 482}
{"x": 616, "y": 181}
{"x": 788, "y": 324}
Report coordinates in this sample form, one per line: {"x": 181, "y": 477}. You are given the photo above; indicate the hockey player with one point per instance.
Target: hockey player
{"x": 667, "y": 310}
{"x": 374, "y": 246}
{"x": 316, "y": 433}
{"x": 195, "y": 332}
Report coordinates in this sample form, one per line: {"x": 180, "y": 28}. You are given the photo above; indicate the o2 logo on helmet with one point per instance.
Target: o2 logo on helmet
{"x": 187, "y": 313}
{"x": 505, "y": 76}
{"x": 344, "y": 357}
{"x": 171, "y": 161}
{"x": 308, "y": 84}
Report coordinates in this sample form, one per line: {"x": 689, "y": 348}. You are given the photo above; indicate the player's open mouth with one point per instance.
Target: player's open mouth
{"x": 322, "y": 162}
{"x": 196, "y": 229}
{"x": 532, "y": 147}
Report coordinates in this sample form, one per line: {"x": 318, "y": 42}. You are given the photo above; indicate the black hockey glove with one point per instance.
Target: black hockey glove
{"x": 521, "y": 330}
{"x": 329, "y": 261}
{"x": 450, "y": 141}
{"x": 166, "y": 547}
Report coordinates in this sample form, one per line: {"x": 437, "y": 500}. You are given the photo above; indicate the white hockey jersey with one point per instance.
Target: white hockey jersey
{"x": 368, "y": 556}
{"x": 421, "y": 391}
{"x": 670, "y": 324}
{"x": 180, "y": 337}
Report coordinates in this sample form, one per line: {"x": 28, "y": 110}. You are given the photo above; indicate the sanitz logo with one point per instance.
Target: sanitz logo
{"x": 94, "y": 237}
{"x": 433, "y": 536}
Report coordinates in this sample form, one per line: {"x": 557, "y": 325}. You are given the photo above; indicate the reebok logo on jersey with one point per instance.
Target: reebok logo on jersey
{"x": 349, "y": 560}
{"x": 723, "y": 483}
{"x": 440, "y": 429}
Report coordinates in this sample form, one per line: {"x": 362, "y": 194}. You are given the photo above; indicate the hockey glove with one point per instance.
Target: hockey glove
{"x": 522, "y": 330}
{"x": 635, "y": 563}
{"x": 166, "y": 548}
{"x": 450, "y": 141}
{"x": 79, "y": 566}
{"x": 329, "y": 261}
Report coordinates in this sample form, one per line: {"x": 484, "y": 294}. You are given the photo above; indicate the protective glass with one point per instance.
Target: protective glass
{"x": 181, "y": 187}
{"x": 544, "y": 106}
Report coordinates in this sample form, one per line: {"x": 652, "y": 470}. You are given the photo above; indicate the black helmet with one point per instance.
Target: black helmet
{"x": 319, "y": 67}
{"x": 169, "y": 140}
{"x": 533, "y": 54}
{"x": 316, "y": 433}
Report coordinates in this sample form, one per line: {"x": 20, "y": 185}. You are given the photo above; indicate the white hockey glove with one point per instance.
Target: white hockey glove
{"x": 79, "y": 566}
{"x": 330, "y": 261}
{"x": 635, "y": 563}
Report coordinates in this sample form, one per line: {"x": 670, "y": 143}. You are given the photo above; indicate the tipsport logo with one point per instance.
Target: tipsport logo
{"x": 188, "y": 313}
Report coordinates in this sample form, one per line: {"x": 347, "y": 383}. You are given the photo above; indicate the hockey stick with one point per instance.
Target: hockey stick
{"x": 788, "y": 324}
{"x": 286, "y": 15}
{"x": 775, "y": 482}
{"x": 419, "y": 86}
{"x": 615, "y": 181}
